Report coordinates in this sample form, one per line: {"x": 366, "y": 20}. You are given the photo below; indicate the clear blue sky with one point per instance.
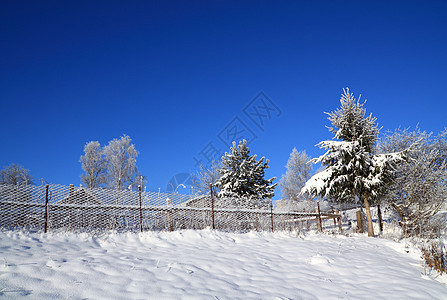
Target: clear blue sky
{"x": 174, "y": 75}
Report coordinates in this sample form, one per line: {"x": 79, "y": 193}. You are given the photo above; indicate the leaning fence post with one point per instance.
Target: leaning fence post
{"x": 212, "y": 205}
{"x": 46, "y": 209}
{"x": 141, "y": 211}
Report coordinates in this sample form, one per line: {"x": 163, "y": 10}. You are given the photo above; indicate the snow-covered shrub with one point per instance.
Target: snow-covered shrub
{"x": 419, "y": 189}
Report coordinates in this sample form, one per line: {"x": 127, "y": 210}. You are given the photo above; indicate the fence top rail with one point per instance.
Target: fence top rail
{"x": 168, "y": 208}
{"x": 72, "y": 197}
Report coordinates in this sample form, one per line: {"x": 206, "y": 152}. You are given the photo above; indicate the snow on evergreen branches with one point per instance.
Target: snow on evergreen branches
{"x": 243, "y": 176}
{"x": 350, "y": 124}
{"x": 352, "y": 172}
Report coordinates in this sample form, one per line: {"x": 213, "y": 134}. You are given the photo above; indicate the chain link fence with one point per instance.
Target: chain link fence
{"x": 51, "y": 207}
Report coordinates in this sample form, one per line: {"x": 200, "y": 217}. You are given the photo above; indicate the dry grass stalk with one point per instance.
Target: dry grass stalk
{"x": 434, "y": 255}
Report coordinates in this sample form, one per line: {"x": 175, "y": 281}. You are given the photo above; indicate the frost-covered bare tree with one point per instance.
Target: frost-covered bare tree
{"x": 120, "y": 156}
{"x": 204, "y": 178}
{"x": 15, "y": 174}
{"x": 419, "y": 188}
{"x": 94, "y": 165}
{"x": 16, "y": 180}
{"x": 299, "y": 170}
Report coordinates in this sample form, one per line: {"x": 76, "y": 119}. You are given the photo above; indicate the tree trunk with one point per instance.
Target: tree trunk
{"x": 402, "y": 217}
{"x": 379, "y": 216}
{"x": 368, "y": 216}
{"x": 359, "y": 221}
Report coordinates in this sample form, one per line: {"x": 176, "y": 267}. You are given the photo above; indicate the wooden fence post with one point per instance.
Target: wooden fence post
{"x": 319, "y": 224}
{"x": 316, "y": 219}
{"x": 271, "y": 212}
{"x": 212, "y": 204}
{"x": 335, "y": 221}
{"x": 339, "y": 222}
{"x": 141, "y": 210}
{"x": 46, "y": 209}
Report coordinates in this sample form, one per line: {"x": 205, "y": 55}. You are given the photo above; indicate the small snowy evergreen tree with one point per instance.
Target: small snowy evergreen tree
{"x": 94, "y": 165}
{"x": 298, "y": 172}
{"x": 242, "y": 176}
{"x": 353, "y": 172}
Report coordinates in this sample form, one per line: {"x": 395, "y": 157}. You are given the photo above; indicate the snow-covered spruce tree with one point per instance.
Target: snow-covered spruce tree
{"x": 352, "y": 171}
{"x": 94, "y": 165}
{"x": 299, "y": 170}
{"x": 419, "y": 188}
{"x": 242, "y": 176}
{"x": 120, "y": 157}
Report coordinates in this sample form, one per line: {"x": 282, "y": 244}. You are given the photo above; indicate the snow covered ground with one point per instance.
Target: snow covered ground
{"x": 211, "y": 265}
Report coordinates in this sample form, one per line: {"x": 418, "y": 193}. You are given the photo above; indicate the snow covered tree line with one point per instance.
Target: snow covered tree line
{"x": 113, "y": 165}
{"x": 405, "y": 169}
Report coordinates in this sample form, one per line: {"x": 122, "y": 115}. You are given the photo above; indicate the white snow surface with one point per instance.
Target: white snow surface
{"x": 211, "y": 265}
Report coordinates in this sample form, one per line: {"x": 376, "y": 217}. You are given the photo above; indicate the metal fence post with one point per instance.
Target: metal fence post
{"x": 212, "y": 205}
{"x": 70, "y": 197}
{"x": 46, "y": 209}
{"x": 141, "y": 210}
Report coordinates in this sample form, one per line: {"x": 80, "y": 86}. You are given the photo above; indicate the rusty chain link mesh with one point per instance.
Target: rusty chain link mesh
{"x": 81, "y": 209}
